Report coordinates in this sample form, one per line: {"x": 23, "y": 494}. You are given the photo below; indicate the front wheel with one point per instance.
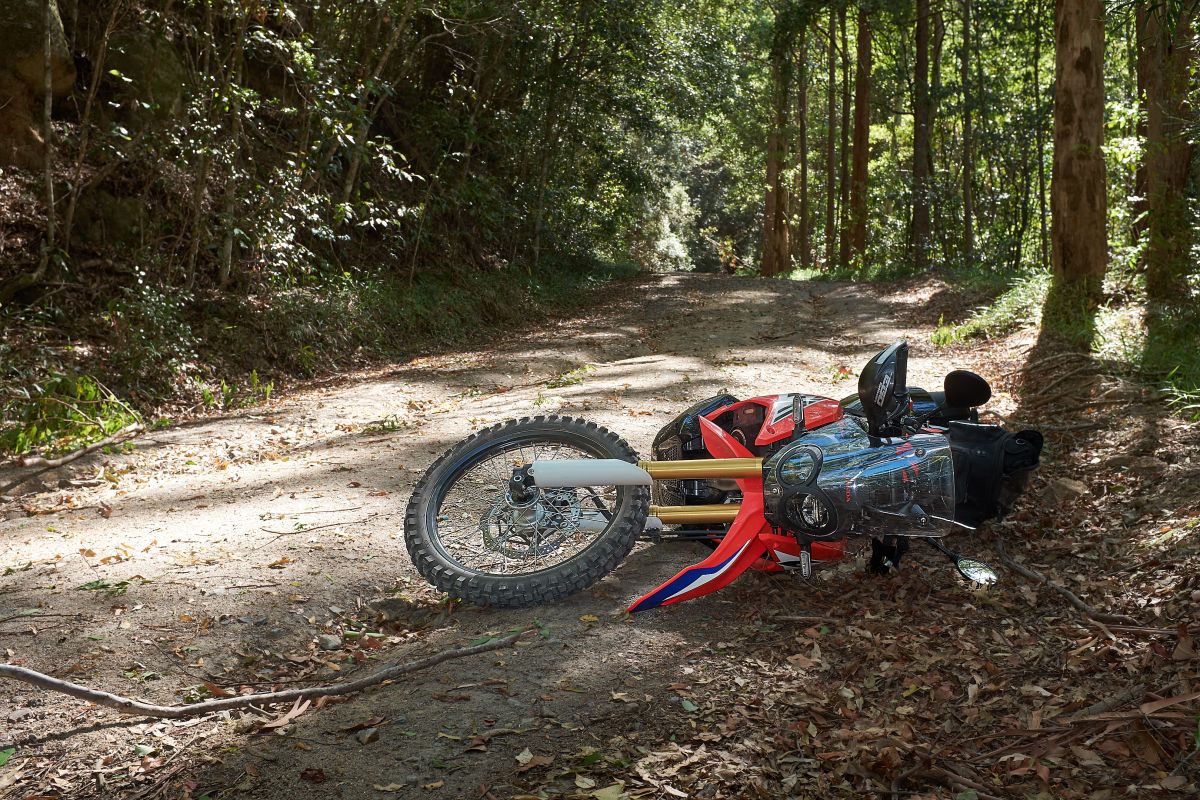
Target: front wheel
{"x": 468, "y": 539}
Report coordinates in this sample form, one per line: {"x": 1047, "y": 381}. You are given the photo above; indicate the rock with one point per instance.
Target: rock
{"x": 151, "y": 71}
{"x": 19, "y": 714}
{"x": 367, "y": 735}
{"x": 104, "y": 218}
{"x": 22, "y": 77}
{"x": 327, "y": 641}
{"x": 1061, "y": 490}
{"x": 1148, "y": 466}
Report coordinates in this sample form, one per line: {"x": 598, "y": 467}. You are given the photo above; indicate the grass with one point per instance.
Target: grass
{"x": 1162, "y": 350}
{"x": 1019, "y": 306}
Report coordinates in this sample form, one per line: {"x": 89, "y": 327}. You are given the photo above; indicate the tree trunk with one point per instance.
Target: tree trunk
{"x": 48, "y": 133}
{"x": 1043, "y": 238}
{"x": 920, "y": 188}
{"x": 844, "y": 180}
{"x": 968, "y": 156}
{"x": 229, "y": 205}
{"x": 776, "y": 250}
{"x": 830, "y": 147}
{"x": 862, "y": 138}
{"x": 1078, "y": 199}
{"x": 1168, "y": 159}
{"x": 805, "y": 238}
{"x": 1143, "y": 60}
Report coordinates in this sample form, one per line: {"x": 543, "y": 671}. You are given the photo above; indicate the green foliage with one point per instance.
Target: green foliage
{"x": 61, "y": 414}
{"x": 153, "y": 346}
{"x": 1019, "y": 306}
{"x": 571, "y": 377}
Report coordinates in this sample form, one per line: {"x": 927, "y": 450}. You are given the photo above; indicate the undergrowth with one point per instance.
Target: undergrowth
{"x": 1019, "y": 306}
{"x": 153, "y": 350}
{"x": 61, "y": 414}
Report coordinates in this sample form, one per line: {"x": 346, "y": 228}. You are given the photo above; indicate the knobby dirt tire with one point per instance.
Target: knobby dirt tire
{"x": 545, "y": 586}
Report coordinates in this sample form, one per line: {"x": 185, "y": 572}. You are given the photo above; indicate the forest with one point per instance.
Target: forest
{"x": 263, "y": 263}
{"x": 199, "y": 192}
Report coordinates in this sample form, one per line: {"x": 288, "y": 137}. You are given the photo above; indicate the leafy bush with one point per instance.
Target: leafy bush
{"x": 62, "y": 414}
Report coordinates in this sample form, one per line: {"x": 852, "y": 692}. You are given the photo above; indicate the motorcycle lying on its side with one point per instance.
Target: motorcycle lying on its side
{"x": 533, "y": 510}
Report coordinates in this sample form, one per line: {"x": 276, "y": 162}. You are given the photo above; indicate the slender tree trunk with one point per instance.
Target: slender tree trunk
{"x": 1168, "y": 159}
{"x": 940, "y": 229}
{"x": 1143, "y": 59}
{"x": 862, "y": 137}
{"x": 48, "y": 135}
{"x": 776, "y": 250}
{"x": 1043, "y": 234}
{"x": 968, "y": 155}
{"x": 229, "y": 204}
{"x": 830, "y": 146}
{"x": 920, "y": 189}
{"x": 844, "y": 179}
{"x": 1078, "y": 190}
{"x": 805, "y": 238}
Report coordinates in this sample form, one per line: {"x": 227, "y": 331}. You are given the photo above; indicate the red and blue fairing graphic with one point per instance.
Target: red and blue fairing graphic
{"x": 750, "y": 541}
{"x": 739, "y": 548}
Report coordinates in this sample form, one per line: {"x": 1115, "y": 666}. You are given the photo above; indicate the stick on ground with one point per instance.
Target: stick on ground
{"x": 1037, "y": 577}
{"x": 40, "y": 464}
{"x": 128, "y": 705}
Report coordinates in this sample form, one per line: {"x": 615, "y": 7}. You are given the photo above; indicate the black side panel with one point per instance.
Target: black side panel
{"x": 991, "y": 468}
{"x": 686, "y": 428}
{"x": 681, "y": 439}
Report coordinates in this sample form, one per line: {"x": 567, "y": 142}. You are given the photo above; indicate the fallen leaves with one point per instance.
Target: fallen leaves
{"x": 313, "y": 775}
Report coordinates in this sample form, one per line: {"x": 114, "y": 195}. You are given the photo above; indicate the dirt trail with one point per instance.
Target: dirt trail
{"x": 221, "y": 550}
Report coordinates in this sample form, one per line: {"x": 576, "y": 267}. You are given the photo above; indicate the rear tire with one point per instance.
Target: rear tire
{"x": 435, "y": 562}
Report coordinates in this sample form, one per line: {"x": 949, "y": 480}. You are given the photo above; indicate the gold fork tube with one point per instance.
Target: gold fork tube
{"x": 704, "y": 468}
{"x": 681, "y": 515}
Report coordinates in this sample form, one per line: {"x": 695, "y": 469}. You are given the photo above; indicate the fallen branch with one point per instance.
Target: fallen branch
{"x": 1045, "y": 390}
{"x": 1116, "y": 701}
{"x": 1037, "y": 577}
{"x": 946, "y": 776}
{"x": 306, "y": 529}
{"x": 128, "y": 705}
{"x": 45, "y": 464}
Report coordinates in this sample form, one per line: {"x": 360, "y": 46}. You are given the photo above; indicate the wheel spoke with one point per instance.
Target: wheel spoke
{"x": 477, "y": 527}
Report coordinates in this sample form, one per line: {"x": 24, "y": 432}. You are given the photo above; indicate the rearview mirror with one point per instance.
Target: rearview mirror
{"x": 965, "y": 389}
{"x": 976, "y": 571}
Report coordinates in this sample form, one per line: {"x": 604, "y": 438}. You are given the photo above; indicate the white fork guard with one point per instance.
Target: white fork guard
{"x": 554, "y": 474}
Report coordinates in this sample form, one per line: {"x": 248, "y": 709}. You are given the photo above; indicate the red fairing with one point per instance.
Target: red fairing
{"x": 822, "y": 412}
{"x": 778, "y": 423}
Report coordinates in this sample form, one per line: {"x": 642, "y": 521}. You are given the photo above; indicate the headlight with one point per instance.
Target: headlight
{"x": 797, "y": 469}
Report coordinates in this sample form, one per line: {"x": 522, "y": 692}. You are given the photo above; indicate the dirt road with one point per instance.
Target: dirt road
{"x": 218, "y": 552}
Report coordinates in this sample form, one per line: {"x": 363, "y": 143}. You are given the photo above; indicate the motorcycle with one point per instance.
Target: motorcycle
{"x": 533, "y": 510}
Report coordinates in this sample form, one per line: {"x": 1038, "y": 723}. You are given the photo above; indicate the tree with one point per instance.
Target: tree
{"x": 844, "y": 180}
{"x": 1078, "y": 189}
{"x": 776, "y": 249}
{"x": 1168, "y": 154}
{"x": 862, "y": 136}
{"x": 968, "y": 156}
{"x": 920, "y": 188}
{"x": 830, "y": 146}
{"x": 804, "y": 221}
